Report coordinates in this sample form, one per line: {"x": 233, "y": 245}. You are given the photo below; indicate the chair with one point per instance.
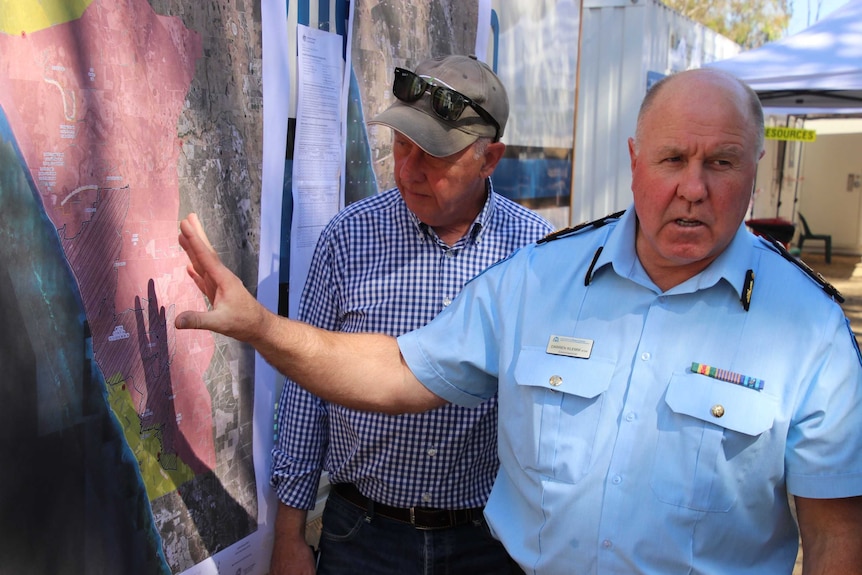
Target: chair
{"x": 807, "y": 235}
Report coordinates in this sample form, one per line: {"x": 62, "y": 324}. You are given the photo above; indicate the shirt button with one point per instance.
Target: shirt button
{"x": 555, "y": 380}
{"x": 426, "y": 498}
{"x": 607, "y": 544}
{"x": 446, "y": 301}
{"x": 617, "y": 480}
{"x": 450, "y": 254}
{"x": 645, "y": 356}
{"x": 432, "y": 451}
{"x": 717, "y": 410}
{"x": 630, "y": 416}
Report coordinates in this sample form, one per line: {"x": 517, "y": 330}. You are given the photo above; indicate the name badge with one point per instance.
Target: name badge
{"x": 570, "y": 346}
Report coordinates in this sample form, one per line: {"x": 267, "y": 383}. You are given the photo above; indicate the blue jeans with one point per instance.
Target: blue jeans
{"x": 352, "y": 543}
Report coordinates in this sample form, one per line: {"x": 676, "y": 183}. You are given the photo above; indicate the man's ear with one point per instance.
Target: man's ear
{"x": 633, "y": 154}
{"x": 493, "y": 154}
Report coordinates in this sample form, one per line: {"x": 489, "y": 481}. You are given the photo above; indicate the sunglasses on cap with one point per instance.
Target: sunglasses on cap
{"x": 446, "y": 102}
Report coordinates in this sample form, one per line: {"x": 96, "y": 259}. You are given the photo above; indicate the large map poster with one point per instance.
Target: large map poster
{"x": 126, "y": 445}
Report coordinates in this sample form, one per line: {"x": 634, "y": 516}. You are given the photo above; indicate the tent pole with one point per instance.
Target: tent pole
{"x": 781, "y": 170}
{"x": 799, "y": 151}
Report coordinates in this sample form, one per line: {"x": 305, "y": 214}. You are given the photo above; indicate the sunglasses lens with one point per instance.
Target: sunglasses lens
{"x": 448, "y": 104}
{"x": 407, "y": 86}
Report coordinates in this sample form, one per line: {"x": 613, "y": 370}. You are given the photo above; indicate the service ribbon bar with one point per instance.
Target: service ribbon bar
{"x": 727, "y": 375}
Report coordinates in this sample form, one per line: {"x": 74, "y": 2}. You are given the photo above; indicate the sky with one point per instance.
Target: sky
{"x": 805, "y": 13}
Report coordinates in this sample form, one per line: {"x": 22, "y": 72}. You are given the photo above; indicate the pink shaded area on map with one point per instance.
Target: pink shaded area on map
{"x": 94, "y": 106}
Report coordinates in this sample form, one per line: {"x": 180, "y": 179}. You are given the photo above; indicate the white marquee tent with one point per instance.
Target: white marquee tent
{"x": 816, "y": 71}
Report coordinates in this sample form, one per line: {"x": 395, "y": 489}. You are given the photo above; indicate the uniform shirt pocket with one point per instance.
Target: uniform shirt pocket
{"x": 560, "y": 401}
{"x": 700, "y": 417}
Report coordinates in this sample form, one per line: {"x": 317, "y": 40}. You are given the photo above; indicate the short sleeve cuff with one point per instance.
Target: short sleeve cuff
{"x": 825, "y": 487}
{"x": 423, "y": 369}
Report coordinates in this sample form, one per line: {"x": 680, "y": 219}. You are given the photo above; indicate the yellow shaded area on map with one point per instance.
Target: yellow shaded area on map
{"x": 147, "y": 445}
{"x": 17, "y": 16}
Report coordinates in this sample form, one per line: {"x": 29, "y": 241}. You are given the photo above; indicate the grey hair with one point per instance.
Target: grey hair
{"x": 480, "y": 146}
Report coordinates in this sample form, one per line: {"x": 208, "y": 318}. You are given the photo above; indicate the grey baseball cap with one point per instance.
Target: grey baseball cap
{"x": 440, "y": 137}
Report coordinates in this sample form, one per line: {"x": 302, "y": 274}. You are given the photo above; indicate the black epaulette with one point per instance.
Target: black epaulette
{"x": 827, "y": 287}
{"x": 575, "y": 229}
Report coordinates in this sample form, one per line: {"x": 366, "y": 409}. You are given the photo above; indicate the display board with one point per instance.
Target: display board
{"x": 127, "y": 445}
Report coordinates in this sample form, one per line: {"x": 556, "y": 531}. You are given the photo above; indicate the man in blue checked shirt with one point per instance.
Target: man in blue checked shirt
{"x": 665, "y": 379}
{"x": 408, "y": 491}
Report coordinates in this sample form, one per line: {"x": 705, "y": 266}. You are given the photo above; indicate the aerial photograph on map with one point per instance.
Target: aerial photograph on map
{"x": 131, "y": 441}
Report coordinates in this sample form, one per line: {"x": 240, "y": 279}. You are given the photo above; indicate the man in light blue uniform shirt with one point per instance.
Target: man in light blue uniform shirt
{"x": 665, "y": 379}
{"x": 615, "y": 456}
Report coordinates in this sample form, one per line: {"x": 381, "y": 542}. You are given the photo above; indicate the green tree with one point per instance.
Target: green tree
{"x": 750, "y": 23}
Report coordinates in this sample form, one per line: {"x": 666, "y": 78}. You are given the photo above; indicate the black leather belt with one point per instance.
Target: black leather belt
{"x": 419, "y": 517}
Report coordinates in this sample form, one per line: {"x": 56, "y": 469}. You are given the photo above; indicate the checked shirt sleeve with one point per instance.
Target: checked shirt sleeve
{"x": 302, "y": 419}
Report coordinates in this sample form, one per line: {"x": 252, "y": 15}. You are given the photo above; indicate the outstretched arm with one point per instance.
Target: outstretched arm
{"x": 360, "y": 371}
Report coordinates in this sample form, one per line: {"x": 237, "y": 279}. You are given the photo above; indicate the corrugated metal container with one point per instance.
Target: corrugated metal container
{"x": 625, "y": 45}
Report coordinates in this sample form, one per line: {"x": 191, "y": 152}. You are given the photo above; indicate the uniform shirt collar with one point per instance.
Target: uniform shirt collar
{"x": 730, "y": 265}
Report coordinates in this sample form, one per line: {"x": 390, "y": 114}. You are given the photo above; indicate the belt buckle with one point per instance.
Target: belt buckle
{"x": 423, "y": 527}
